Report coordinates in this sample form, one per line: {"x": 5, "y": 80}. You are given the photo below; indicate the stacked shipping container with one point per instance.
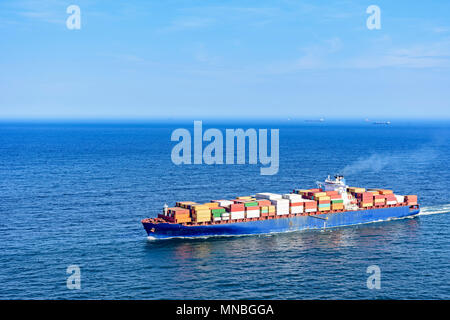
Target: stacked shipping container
{"x": 272, "y": 204}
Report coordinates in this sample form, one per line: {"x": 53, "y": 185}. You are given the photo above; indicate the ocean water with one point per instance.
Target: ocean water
{"x": 74, "y": 194}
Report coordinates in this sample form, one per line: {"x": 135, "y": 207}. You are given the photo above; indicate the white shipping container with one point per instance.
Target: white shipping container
{"x": 224, "y": 203}
{"x": 268, "y": 195}
{"x": 282, "y": 212}
{"x": 400, "y": 199}
{"x": 238, "y": 215}
{"x": 278, "y": 202}
{"x": 217, "y": 219}
{"x": 391, "y": 202}
{"x": 253, "y": 214}
{"x": 292, "y": 196}
{"x": 282, "y": 204}
{"x": 310, "y": 210}
{"x": 296, "y": 209}
{"x": 282, "y": 209}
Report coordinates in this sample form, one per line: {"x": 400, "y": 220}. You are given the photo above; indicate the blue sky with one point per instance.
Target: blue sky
{"x": 235, "y": 59}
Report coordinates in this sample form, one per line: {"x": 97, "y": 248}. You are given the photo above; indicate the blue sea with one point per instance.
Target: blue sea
{"x": 75, "y": 193}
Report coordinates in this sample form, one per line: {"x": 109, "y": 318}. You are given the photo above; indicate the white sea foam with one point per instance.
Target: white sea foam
{"x": 438, "y": 209}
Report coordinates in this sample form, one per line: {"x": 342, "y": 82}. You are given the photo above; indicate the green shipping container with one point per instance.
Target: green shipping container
{"x": 217, "y": 210}
{"x": 251, "y": 204}
{"x": 217, "y": 214}
{"x": 337, "y": 201}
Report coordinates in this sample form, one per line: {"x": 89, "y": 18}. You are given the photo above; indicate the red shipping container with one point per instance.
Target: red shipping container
{"x": 252, "y": 208}
{"x": 323, "y": 201}
{"x": 335, "y": 197}
{"x": 264, "y": 203}
{"x": 364, "y": 195}
{"x": 332, "y": 193}
{"x": 296, "y": 204}
{"x": 310, "y": 205}
{"x": 236, "y": 207}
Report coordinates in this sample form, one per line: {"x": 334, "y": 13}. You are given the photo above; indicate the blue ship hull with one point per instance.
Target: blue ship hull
{"x": 326, "y": 220}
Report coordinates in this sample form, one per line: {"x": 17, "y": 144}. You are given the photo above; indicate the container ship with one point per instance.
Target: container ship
{"x": 332, "y": 204}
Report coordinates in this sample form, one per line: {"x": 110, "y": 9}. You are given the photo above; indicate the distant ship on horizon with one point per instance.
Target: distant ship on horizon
{"x": 382, "y": 122}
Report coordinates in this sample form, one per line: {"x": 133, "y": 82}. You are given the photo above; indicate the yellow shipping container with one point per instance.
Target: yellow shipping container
{"x": 380, "y": 200}
{"x": 386, "y": 191}
{"x": 369, "y": 204}
{"x": 271, "y": 209}
{"x": 200, "y": 207}
{"x": 201, "y": 219}
{"x": 185, "y": 204}
{"x": 320, "y": 194}
{"x": 244, "y": 198}
{"x": 324, "y": 208}
{"x": 337, "y": 206}
{"x": 357, "y": 190}
{"x": 201, "y": 213}
{"x": 322, "y": 198}
{"x": 211, "y": 204}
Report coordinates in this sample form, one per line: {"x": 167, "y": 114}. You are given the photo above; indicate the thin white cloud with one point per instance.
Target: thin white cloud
{"x": 441, "y": 29}
{"x": 419, "y": 56}
{"x": 187, "y": 23}
{"x": 313, "y": 57}
{"x": 51, "y": 11}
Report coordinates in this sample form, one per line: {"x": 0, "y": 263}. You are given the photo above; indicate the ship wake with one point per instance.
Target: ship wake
{"x": 438, "y": 209}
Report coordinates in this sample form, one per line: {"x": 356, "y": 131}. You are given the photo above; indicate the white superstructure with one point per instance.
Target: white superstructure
{"x": 338, "y": 184}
